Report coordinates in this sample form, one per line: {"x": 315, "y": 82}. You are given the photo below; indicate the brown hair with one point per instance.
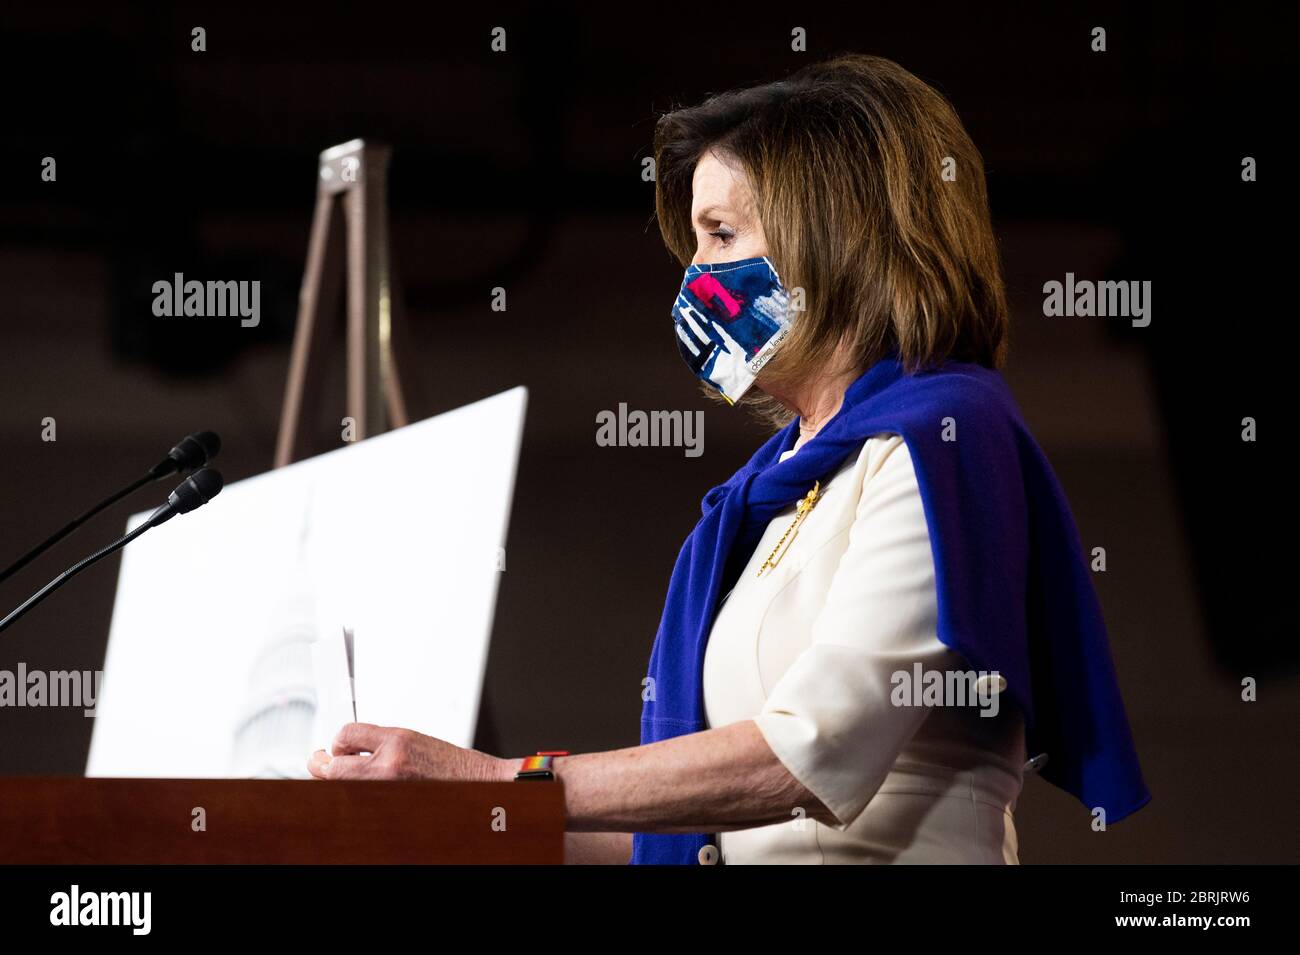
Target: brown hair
{"x": 845, "y": 159}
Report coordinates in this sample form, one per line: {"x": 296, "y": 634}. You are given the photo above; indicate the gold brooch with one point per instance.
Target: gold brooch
{"x": 807, "y": 504}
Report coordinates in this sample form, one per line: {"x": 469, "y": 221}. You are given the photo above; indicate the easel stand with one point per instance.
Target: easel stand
{"x": 355, "y": 176}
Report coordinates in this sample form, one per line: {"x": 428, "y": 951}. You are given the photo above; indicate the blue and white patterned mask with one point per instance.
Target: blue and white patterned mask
{"x": 730, "y": 317}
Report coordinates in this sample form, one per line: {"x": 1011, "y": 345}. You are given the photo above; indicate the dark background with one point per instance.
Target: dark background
{"x": 523, "y": 170}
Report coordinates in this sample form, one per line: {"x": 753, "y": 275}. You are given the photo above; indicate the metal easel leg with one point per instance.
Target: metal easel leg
{"x": 355, "y": 174}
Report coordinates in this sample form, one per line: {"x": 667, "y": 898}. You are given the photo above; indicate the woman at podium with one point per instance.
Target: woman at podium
{"x": 885, "y": 619}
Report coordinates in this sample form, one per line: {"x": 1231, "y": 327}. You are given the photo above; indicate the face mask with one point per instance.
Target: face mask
{"x": 730, "y": 317}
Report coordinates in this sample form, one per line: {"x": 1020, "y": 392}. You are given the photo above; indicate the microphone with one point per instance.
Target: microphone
{"x": 191, "y": 453}
{"x": 193, "y": 492}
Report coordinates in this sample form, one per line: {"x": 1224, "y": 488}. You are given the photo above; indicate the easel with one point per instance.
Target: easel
{"x": 354, "y": 174}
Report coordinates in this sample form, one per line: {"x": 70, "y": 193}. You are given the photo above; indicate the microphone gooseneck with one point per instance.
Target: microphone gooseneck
{"x": 193, "y": 492}
{"x": 192, "y": 452}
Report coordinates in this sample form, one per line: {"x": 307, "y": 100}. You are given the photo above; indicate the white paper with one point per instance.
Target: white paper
{"x": 334, "y": 687}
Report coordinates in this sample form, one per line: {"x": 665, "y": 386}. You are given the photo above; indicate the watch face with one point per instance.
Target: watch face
{"x": 534, "y": 774}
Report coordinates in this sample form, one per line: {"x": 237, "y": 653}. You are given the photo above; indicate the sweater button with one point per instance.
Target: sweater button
{"x": 708, "y": 855}
{"x": 989, "y": 684}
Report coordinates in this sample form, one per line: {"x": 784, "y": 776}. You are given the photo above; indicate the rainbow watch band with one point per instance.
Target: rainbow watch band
{"x": 539, "y": 766}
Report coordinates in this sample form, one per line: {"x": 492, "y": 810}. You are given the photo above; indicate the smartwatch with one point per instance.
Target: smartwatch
{"x": 539, "y": 766}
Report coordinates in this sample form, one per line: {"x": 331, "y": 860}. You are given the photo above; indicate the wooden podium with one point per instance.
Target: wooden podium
{"x": 75, "y": 821}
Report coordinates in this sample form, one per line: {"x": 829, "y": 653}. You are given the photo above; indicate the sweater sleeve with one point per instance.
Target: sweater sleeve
{"x": 829, "y": 719}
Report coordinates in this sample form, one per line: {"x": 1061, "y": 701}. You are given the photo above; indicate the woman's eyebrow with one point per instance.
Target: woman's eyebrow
{"x": 705, "y": 213}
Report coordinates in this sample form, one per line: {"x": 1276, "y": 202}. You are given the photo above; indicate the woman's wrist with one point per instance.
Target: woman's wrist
{"x": 504, "y": 768}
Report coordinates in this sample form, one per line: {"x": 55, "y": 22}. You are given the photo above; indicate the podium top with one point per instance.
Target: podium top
{"x": 75, "y": 821}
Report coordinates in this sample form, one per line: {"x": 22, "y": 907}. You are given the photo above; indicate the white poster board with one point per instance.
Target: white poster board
{"x": 214, "y": 654}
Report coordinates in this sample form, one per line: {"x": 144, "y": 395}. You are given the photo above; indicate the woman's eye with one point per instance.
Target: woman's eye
{"x": 723, "y": 234}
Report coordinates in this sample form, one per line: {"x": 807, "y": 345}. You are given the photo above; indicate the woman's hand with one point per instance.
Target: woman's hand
{"x": 403, "y": 754}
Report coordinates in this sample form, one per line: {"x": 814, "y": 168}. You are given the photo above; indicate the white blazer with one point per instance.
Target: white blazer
{"x": 809, "y": 652}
